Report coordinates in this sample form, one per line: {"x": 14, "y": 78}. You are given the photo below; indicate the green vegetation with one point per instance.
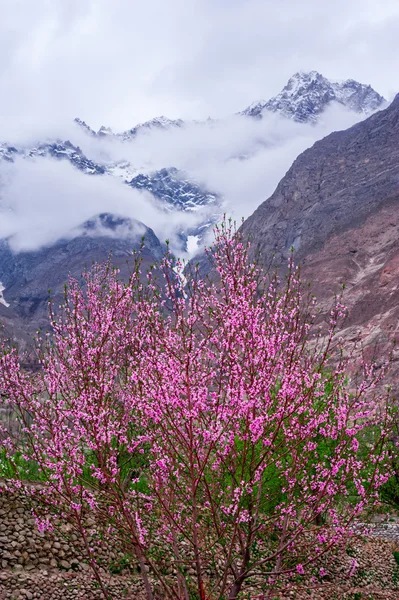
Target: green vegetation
{"x": 20, "y": 468}
{"x": 117, "y": 566}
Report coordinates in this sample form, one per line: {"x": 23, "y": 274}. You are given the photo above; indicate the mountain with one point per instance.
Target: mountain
{"x": 332, "y": 187}
{"x": 58, "y": 150}
{"x": 26, "y": 277}
{"x": 338, "y": 206}
{"x": 307, "y": 95}
{"x": 304, "y": 98}
{"x": 340, "y": 180}
{"x": 173, "y": 189}
{"x": 158, "y": 123}
{"x": 66, "y": 150}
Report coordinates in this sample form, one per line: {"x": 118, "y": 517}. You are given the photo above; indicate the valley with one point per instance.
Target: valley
{"x": 185, "y": 208}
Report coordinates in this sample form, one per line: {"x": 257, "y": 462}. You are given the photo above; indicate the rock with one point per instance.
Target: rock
{"x": 342, "y": 194}
{"x": 30, "y": 274}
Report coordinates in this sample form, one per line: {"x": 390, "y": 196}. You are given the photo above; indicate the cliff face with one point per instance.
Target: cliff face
{"x": 364, "y": 258}
{"x": 338, "y": 206}
{"x": 332, "y": 186}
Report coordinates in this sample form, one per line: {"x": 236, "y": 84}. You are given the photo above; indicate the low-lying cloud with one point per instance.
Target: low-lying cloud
{"x": 44, "y": 200}
{"x": 241, "y": 159}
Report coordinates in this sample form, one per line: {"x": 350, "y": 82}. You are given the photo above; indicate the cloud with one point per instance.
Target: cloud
{"x": 240, "y": 159}
{"x": 120, "y": 62}
{"x": 44, "y": 200}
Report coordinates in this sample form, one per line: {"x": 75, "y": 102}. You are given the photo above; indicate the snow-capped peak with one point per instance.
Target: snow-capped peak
{"x": 161, "y": 122}
{"x": 84, "y": 126}
{"x": 308, "y": 93}
{"x": 104, "y": 131}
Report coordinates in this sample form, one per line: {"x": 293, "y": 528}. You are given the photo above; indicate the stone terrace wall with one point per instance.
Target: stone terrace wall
{"x": 23, "y": 546}
{"x": 52, "y": 566}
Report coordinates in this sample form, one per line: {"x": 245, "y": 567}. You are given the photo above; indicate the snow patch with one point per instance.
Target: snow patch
{"x": 2, "y": 299}
{"x": 193, "y": 242}
{"x": 123, "y": 170}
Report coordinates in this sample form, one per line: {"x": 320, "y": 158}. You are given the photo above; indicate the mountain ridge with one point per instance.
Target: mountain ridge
{"x": 337, "y": 206}
{"x": 370, "y": 147}
{"x": 304, "y": 98}
{"x": 27, "y": 277}
{"x": 314, "y": 178}
{"x": 307, "y": 94}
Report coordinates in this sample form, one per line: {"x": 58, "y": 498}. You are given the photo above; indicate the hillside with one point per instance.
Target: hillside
{"x": 30, "y": 277}
{"x": 337, "y": 207}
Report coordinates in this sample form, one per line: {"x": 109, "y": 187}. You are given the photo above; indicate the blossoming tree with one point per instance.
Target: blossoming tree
{"x": 200, "y": 422}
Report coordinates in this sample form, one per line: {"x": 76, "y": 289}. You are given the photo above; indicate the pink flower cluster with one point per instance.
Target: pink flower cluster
{"x": 199, "y": 420}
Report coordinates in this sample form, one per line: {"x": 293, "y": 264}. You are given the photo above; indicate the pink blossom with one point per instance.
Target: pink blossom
{"x": 179, "y": 411}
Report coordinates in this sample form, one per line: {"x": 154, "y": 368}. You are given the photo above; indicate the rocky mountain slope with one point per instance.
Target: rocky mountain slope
{"x": 308, "y": 94}
{"x": 338, "y": 206}
{"x": 174, "y": 191}
{"x": 27, "y": 277}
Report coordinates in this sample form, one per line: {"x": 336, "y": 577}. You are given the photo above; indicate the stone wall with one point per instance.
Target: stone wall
{"x": 53, "y": 566}
{"x": 43, "y": 584}
{"x": 23, "y": 546}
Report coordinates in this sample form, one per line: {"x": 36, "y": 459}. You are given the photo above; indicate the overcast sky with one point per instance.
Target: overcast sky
{"x": 119, "y": 62}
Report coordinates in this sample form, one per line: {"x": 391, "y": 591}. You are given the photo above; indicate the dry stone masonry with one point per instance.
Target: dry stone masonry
{"x": 52, "y": 566}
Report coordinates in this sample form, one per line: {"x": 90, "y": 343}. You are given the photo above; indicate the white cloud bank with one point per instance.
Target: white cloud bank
{"x": 118, "y": 62}
{"x": 240, "y": 159}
